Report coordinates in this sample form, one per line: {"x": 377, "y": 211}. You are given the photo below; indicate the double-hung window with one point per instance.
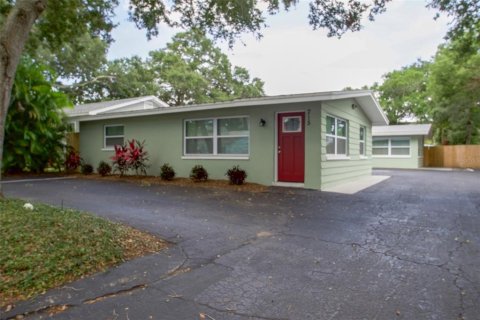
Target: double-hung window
{"x": 337, "y": 133}
{"x": 391, "y": 147}
{"x": 217, "y": 137}
{"x": 362, "y": 141}
{"x": 113, "y": 135}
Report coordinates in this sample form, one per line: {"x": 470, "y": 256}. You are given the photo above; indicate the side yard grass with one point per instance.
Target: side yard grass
{"x": 47, "y": 247}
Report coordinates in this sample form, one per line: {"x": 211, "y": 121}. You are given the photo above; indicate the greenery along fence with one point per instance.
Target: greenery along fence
{"x": 457, "y": 156}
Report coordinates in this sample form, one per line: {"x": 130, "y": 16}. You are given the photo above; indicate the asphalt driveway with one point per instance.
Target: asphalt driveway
{"x": 406, "y": 248}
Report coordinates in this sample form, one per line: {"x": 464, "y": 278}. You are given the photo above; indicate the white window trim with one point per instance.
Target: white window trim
{"x": 215, "y": 136}
{"x": 364, "y": 141}
{"x": 389, "y": 147}
{"x": 300, "y": 128}
{"x": 336, "y": 156}
{"x": 105, "y": 147}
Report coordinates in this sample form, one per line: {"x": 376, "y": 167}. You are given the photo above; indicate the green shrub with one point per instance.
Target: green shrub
{"x": 236, "y": 175}
{"x": 198, "y": 173}
{"x": 167, "y": 172}
{"x": 87, "y": 168}
{"x": 104, "y": 168}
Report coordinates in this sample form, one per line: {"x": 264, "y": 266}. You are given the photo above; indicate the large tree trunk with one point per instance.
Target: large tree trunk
{"x": 13, "y": 36}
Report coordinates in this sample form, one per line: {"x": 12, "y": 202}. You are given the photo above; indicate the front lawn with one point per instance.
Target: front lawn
{"x": 46, "y": 247}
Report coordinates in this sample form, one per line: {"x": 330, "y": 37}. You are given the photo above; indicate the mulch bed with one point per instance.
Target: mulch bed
{"x": 181, "y": 182}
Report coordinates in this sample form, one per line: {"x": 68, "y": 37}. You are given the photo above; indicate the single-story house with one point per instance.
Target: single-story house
{"x": 399, "y": 146}
{"x": 311, "y": 140}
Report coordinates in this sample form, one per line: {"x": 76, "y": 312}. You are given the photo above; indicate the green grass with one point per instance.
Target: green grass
{"x": 47, "y": 247}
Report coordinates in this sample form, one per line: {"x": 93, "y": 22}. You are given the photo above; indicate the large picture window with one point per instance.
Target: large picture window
{"x": 391, "y": 147}
{"x": 217, "y": 136}
{"x": 113, "y": 135}
{"x": 337, "y": 133}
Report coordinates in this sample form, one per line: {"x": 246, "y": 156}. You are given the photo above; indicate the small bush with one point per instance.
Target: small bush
{"x": 167, "y": 172}
{"x": 104, "y": 169}
{"x": 236, "y": 175}
{"x": 72, "y": 160}
{"x": 87, "y": 168}
{"x": 198, "y": 173}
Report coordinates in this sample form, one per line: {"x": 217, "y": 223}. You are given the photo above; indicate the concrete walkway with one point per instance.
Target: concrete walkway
{"x": 405, "y": 248}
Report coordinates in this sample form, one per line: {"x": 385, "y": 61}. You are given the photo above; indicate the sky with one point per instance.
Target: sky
{"x": 293, "y": 58}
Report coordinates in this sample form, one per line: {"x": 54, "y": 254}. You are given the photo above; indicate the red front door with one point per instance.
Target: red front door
{"x": 291, "y": 147}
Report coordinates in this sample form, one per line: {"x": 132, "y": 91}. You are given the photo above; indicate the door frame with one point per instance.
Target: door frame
{"x": 282, "y": 183}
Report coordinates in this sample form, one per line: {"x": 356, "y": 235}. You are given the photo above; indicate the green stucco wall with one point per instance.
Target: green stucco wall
{"x": 163, "y": 135}
{"x": 414, "y": 161}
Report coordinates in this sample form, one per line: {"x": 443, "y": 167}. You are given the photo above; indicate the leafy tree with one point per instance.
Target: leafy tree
{"x": 455, "y": 91}
{"x": 192, "y": 70}
{"x": 403, "y": 94}
{"x": 464, "y": 15}
{"x": 34, "y": 128}
{"x": 189, "y": 70}
{"x": 117, "y": 79}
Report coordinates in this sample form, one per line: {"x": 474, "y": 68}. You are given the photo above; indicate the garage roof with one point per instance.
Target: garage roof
{"x": 402, "y": 130}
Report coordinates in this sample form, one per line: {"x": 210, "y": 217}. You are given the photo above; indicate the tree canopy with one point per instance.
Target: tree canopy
{"x": 403, "y": 94}
{"x": 190, "y": 69}
{"x": 454, "y": 88}
{"x": 444, "y": 90}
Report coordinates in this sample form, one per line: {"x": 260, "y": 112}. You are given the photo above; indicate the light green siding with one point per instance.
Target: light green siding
{"x": 334, "y": 171}
{"x": 414, "y": 161}
{"x": 163, "y": 135}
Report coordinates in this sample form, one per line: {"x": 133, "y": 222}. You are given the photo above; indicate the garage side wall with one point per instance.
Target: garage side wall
{"x": 413, "y": 161}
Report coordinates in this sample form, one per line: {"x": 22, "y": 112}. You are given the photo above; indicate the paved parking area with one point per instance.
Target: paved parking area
{"x": 405, "y": 248}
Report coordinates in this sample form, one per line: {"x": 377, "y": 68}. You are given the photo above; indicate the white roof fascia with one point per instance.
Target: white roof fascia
{"x": 402, "y": 130}
{"x": 371, "y": 109}
{"x": 128, "y": 103}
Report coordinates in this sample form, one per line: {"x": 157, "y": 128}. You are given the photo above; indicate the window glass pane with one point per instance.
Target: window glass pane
{"x": 233, "y": 127}
{"x": 362, "y": 133}
{"x": 114, "y": 131}
{"x": 380, "y": 151}
{"x": 330, "y": 125}
{"x": 400, "y": 151}
{"x": 380, "y": 142}
{"x": 292, "y": 124}
{"x": 330, "y": 145}
{"x": 110, "y": 142}
{"x": 199, "y": 146}
{"x": 341, "y": 128}
{"x": 233, "y": 145}
{"x": 400, "y": 142}
{"x": 362, "y": 148}
{"x": 341, "y": 146}
{"x": 197, "y": 128}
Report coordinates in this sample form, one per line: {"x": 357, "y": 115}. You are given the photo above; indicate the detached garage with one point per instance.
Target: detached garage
{"x": 399, "y": 146}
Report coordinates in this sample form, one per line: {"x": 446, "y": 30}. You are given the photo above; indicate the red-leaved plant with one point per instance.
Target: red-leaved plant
{"x": 137, "y": 157}
{"x": 130, "y": 156}
{"x": 119, "y": 160}
{"x": 72, "y": 160}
